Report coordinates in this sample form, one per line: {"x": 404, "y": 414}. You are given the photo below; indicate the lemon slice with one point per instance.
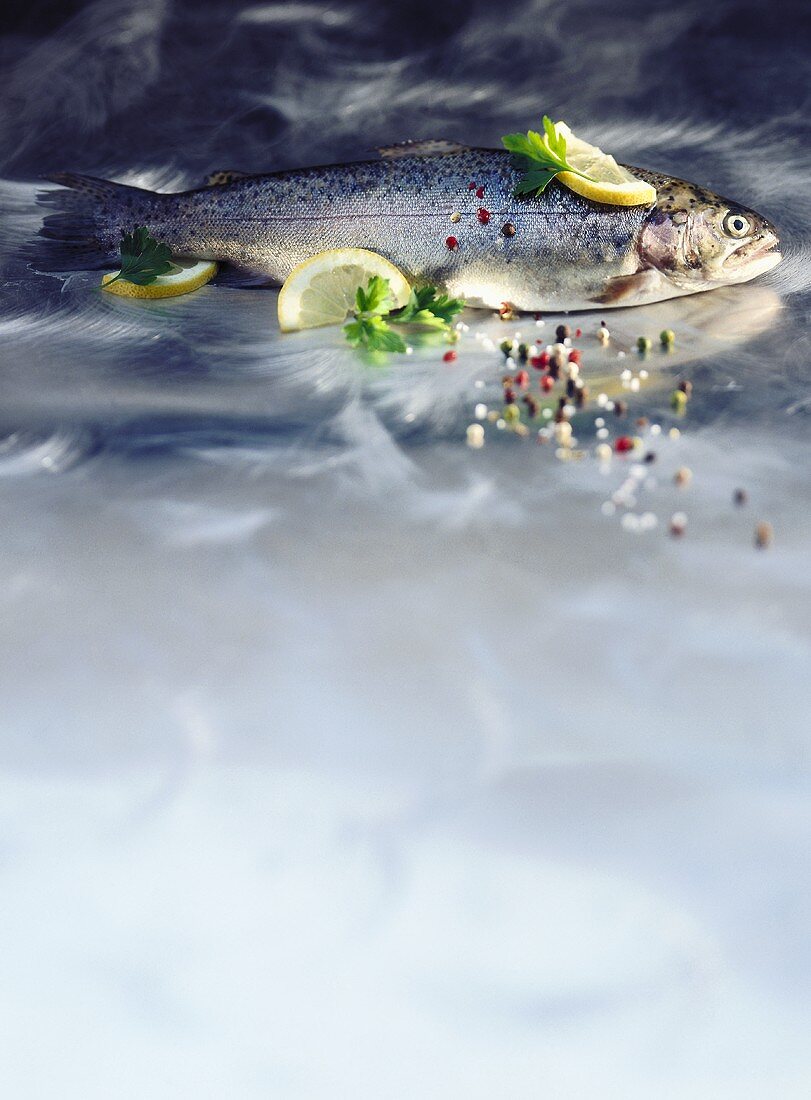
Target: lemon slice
{"x": 185, "y": 276}
{"x": 321, "y": 290}
{"x": 610, "y": 182}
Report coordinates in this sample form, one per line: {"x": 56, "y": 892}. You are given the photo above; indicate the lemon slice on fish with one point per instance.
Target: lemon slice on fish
{"x": 321, "y": 290}
{"x": 609, "y": 183}
{"x": 185, "y": 276}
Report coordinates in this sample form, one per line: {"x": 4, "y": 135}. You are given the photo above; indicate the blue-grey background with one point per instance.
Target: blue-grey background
{"x": 337, "y": 759}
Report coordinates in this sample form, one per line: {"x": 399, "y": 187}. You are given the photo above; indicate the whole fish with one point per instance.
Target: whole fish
{"x": 444, "y": 214}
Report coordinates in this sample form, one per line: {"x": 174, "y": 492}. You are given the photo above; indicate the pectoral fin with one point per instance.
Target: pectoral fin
{"x": 629, "y": 289}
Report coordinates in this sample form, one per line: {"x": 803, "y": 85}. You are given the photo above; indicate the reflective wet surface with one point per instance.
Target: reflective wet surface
{"x": 340, "y": 758}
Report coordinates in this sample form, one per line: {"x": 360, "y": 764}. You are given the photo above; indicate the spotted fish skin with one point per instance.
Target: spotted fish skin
{"x": 558, "y": 250}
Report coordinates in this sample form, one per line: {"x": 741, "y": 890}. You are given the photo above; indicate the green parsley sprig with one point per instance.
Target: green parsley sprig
{"x": 143, "y": 258}
{"x": 539, "y": 157}
{"x": 373, "y": 316}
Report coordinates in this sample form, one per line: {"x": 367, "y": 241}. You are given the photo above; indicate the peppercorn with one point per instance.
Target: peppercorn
{"x": 449, "y": 356}
{"x": 620, "y": 408}
{"x": 511, "y": 413}
{"x": 582, "y": 396}
{"x": 574, "y": 356}
{"x": 678, "y": 524}
{"x": 509, "y": 397}
{"x": 644, "y": 343}
{"x": 764, "y": 533}
{"x": 531, "y": 404}
{"x": 547, "y": 383}
{"x": 562, "y": 332}
{"x": 668, "y": 337}
{"x": 456, "y": 216}
{"x": 570, "y": 387}
{"x": 683, "y": 476}
{"x": 483, "y": 215}
{"x": 741, "y": 497}
{"x": 540, "y": 362}
{"x": 522, "y": 379}
{"x": 506, "y": 347}
{"x": 686, "y": 388}
{"x": 623, "y": 444}
{"x": 523, "y": 352}
{"x": 642, "y": 422}
{"x": 507, "y": 380}
{"x": 678, "y": 401}
{"x": 508, "y": 229}
{"x": 451, "y": 243}
{"x": 650, "y": 456}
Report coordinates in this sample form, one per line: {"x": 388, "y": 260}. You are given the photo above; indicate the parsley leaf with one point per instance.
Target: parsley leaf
{"x": 371, "y": 328}
{"x": 426, "y": 307}
{"x": 143, "y": 259}
{"x": 539, "y": 157}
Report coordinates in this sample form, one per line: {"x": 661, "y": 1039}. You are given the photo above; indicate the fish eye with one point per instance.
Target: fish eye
{"x": 736, "y": 225}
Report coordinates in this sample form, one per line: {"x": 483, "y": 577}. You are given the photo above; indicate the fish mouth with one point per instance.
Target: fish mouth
{"x": 754, "y": 257}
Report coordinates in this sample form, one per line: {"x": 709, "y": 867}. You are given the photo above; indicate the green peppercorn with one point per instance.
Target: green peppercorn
{"x": 644, "y": 343}
{"x": 678, "y": 401}
{"x": 506, "y": 346}
{"x": 668, "y": 337}
{"x": 523, "y": 352}
{"x": 511, "y": 413}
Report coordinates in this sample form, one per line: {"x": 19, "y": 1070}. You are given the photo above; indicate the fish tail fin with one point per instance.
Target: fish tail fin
{"x": 85, "y": 230}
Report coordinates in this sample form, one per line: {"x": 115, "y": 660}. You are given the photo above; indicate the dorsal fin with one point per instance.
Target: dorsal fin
{"x": 225, "y": 175}
{"x": 429, "y": 147}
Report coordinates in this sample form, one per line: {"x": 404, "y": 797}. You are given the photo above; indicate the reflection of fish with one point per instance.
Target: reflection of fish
{"x": 556, "y": 251}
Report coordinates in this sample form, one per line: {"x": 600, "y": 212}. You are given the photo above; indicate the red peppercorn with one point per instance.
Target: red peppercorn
{"x": 449, "y": 356}
{"x": 574, "y": 356}
{"x": 623, "y": 443}
{"x": 452, "y": 243}
{"x": 522, "y": 379}
{"x": 578, "y": 332}
{"x": 540, "y": 362}
{"x": 547, "y": 383}
{"x": 509, "y": 397}
{"x": 471, "y": 187}
{"x": 483, "y": 215}
{"x": 479, "y": 192}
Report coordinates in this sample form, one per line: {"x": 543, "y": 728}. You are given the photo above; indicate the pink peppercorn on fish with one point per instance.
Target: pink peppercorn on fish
{"x": 444, "y": 215}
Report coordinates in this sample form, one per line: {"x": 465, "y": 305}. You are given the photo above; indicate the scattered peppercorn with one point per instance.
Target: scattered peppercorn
{"x": 456, "y": 216}
{"x": 479, "y": 192}
{"x": 650, "y": 456}
{"x": 506, "y": 347}
{"x": 764, "y": 533}
{"x": 678, "y": 524}
{"x": 483, "y": 215}
{"x": 531, "y": 404}
{"x": 522, "y": 379}
{"x": 623, "y": 444}
{"x": 582, "y": 396}
{"x": 683, "y": 476}
{"x": 475, "y": 436}
{"x": 540, "y": 362}
{"x": 451, "y": 243}
{"x": 547, "y": 383}
{"x": 562, "y": 332}
{"x": 508, "y": 229}
{"x": 644, "y": 343}
{"x": 511, "y": 413}
{"x": 509, "y": 396}
{"x": 740, "y": 497}
{"x": 668, "y": 337}
{"x": 575, "y": 356}
{"x": 449, "y": 356}
{"x": 620, "y": 408}
{"x": 678, "y": 401}
{"x": 523, "y": 352}
{"x": 686, "y": 388}
{"x": 570, "y": 387}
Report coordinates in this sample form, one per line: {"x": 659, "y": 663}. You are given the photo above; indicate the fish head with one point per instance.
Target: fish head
{"x": 698, "y": 240}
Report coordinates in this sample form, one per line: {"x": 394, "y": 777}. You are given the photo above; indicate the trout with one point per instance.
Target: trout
{"x": 444, "y": 214}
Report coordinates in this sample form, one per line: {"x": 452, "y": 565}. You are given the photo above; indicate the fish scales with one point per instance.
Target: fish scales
{"x": 567, "y": 252}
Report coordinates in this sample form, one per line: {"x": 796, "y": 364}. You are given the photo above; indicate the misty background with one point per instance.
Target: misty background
{"x": 337, "y": 758}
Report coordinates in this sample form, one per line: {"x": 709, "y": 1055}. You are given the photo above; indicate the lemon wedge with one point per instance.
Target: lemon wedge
{"x": 609, "y": 183}
{"x": 185, "y": 276}
{"x": 321, "y": 290}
